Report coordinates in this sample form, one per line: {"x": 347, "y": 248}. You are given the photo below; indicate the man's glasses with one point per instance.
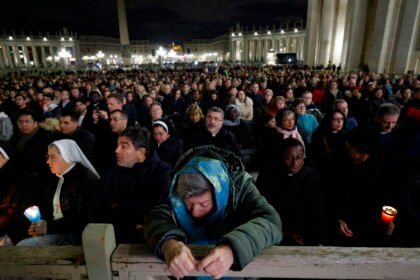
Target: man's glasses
{"x": 25, "y": 122}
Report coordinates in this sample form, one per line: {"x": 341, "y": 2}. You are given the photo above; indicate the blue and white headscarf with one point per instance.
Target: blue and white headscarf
{"x": 217, "y": 174}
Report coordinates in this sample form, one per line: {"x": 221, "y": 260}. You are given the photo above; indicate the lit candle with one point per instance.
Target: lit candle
{"x": 33, "y": 214}
{"x": 388, "y": 214}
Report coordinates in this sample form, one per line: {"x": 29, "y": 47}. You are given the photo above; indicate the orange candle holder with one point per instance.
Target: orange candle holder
{"x": 388, "y": 214}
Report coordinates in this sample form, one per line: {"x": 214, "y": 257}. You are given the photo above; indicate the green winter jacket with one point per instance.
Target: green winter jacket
{"x": 251, "y": 223}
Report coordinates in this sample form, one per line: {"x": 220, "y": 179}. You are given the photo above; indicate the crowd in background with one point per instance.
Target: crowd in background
{"x": 356, "y": 144}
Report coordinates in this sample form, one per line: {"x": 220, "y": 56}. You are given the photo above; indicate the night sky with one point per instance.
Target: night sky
{"x": 158, "y": 20}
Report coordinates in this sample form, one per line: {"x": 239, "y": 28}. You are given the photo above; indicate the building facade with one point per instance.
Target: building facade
{"x": 40, "y": 51}
{"x": 257, "y": 45}
{"x": 383, "y": 34}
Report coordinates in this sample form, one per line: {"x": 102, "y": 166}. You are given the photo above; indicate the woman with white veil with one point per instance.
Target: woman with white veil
{"x": 65, "y": 209}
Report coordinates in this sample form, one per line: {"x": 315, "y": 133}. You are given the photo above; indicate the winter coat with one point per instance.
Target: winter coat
{"x": 127, "y": 194}
{"x": 250, "y": 225}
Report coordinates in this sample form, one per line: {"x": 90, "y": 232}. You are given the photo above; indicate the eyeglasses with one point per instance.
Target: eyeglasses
{"x": 213, "y": 119}
{"x": 27, "y": 122}
{"x": 338, "y": 119}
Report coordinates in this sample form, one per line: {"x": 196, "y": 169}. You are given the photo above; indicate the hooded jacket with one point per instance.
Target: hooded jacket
{"x": 250, "y": 224}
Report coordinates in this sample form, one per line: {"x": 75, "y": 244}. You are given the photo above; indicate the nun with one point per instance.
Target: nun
{"x": 67, "y": 197}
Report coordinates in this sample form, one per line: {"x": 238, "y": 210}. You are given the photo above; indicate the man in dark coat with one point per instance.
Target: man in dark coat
{"x": 214, "y": 133}
{"x": 31, "y": 142}
{"x": 352, "y": 193}
{"x": 132, "y": 187}
{"x": 70, "y": 129}
{"x": 294, "y": 191}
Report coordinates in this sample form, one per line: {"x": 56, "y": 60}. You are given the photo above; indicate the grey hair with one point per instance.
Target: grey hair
{"x": 192, "y": 184}
{"x": 216, "y": 109}
{"x": 388, "y": 109}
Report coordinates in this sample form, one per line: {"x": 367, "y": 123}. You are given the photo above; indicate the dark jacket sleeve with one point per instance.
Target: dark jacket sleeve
{"x": 159, "y": 226}
{"x": 262, "y": 227}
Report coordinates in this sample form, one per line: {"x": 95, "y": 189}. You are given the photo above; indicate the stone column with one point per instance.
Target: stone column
{"x": 327, "y": 25}
{"x": 339, "y": 32}
{"x": 405, "y": 48}
{"x": 35, "y": 55}
{"x": 9, "y": 59}
{"x": 43, "y": 58}
{"x": 2, "y": 57}
{"x": 302, "y": 46}
{"x": 382, "y": 37}
{"x": 313, "y": 19}
{"x": 123, "y": 28}
{"x": 245, "y": 46}
{"x": 122, "y": 23}
{"x": 251, "y": 50}
{"x": 258, "y": 54}
{"x": 231, "y": 49}
{"x": 16, "y": 57}
{"x": 263, "y": 49}
{"x": 359, "y": 13}
{"x": 25, "y": 55}
{"x": 52, "y": 56}
{"x": 298, "y": 47}
{"x": 347, "y": 24}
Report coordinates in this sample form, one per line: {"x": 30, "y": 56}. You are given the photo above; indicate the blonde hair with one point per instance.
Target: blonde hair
{"x": 50, "y": 124}
{"x": 194, "y": 109}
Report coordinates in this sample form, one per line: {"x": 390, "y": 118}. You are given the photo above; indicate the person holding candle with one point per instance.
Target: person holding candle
{"x": 67, "y": 197}
{"x": 353, "y": 197}
{"x": 19, "y": 189}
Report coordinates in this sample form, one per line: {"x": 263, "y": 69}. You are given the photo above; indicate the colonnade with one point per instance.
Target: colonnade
{"x": 383, "y": 34}
{"x": 25, "y": 52}
{"x": 252, "y": 47}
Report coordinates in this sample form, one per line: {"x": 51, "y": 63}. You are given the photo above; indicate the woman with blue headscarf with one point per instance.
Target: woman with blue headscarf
{"x": 212, "y": 200}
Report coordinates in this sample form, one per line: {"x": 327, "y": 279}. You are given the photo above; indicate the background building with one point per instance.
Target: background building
{"x": 383, "y": 34}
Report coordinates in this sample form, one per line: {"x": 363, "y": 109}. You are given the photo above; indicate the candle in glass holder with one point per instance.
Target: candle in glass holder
{"x": 33, "y": 214}
{"x": 388, "y": 214}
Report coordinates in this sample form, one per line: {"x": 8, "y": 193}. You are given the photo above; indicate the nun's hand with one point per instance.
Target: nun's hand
{"x": 178, "y": 257}
{"x": 38, "y": 229}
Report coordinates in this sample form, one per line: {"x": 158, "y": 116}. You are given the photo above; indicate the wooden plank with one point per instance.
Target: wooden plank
{"x": 293, "y": 262}
{"x": 58, "y": 262}
{"x": 59, "y": 255}
{"x": 50, "y": 271}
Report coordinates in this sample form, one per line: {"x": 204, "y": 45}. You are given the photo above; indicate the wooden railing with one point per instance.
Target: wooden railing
{"x": 100, "y": 259}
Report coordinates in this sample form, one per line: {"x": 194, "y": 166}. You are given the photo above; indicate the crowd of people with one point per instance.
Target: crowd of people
{"x": 329, "y": 150}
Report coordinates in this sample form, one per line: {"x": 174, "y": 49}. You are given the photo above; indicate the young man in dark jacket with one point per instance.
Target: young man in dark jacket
{"x": 132, "y": 187}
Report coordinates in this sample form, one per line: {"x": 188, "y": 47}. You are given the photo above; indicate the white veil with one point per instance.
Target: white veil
{"x": 71, "y": 153}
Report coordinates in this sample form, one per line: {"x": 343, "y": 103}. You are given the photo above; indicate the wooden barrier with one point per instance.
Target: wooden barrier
{"x": 57, "y": 262}
{"x": 101, "y": 262}
{"x": 136, "y": 262}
